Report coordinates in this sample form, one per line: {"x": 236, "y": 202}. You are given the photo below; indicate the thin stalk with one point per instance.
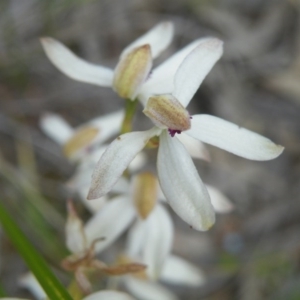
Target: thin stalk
{"x": 130, "y": 108}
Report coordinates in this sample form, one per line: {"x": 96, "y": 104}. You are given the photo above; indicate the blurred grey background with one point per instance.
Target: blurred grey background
{"x": 251, "y": 253}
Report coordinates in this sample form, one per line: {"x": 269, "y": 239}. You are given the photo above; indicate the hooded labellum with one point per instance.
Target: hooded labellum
{"x": 81, "y": 138}
{"x": 132, "y": 71}
{"x": 145, "y": 193}
{"x": 76, "y": 142}
{"x": 167, "y": 112}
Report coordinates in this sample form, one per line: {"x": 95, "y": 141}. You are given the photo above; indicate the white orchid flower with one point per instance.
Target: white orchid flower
{"x": 78, "y": 142}
{"x": 150, "y": 239}
{"x": 149, "y": 242}
{"x": 132, "y": 70}
{"x": 136, "y": 200}
{"x": 30, "y": 282}
{"x": 83, "y": 254}
{"x": 177, "y": 174}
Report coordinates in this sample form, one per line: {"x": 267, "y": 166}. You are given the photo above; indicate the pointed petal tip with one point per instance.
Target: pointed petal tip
{"x": 46, "y": 41}
{"x": 278, "y": 149}
{"x": 168, "y": 25}
{"x": 205, "y": 225}
{"x": 93, "y": 194}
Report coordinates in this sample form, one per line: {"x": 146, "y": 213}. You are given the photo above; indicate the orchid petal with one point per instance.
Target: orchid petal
{"x": 159, "y": 38}
{"x": 148, "y": 290}
{"x": 56, "y": 128}
{"x": 194, "y": 147}
{"x": 108, "y": 295}
{"x": 95, "y": 205}
{"x": 179, "y": 271}
{"x": 93, "y": 132}
{"x": 29, "y": 282}
{"x": 219, "y": 201}
{"x": 136, "y": 238}
{"x": 116, "y": 159}
{"x": 75, "y": 236}
{"x": 232, "y": 138}
{"x": 110, "y": 222}
{"x": 73, "y": 66}
{"x": 138, "y": 162}
{"x": 194, "y": 69}
{"x": 161, "y": 80}
{"x": 158, "y": 241}
{"x": 108, "y": 125}
{"x": 181, "y": 184}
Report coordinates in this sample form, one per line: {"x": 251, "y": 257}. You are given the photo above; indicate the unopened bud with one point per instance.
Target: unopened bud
{"x": 131, "y": 71}
{"x": 167, "y": 112}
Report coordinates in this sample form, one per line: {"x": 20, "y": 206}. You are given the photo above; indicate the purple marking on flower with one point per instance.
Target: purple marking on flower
{"x": 174, "y": 131}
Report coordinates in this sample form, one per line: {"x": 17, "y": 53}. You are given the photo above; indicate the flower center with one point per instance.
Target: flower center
{"x": 168, "y": 113}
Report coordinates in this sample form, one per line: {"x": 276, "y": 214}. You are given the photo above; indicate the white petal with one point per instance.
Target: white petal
{"x": 108, "y": 295}
{"x": 158, "y": 241}
{"x": 75, "y": 67}
{"x": 81, "y": 180}
{"x": 116, "y": 159}
{"x": 219, "y": 201}
{"x": 29, "y": 282}
{"x": 181, "y": 184}
{"x": 56, "y": 128}
{"x": 194, "y": 147}
{"x": 135, "y": 239}
{"x": 121, "y": 187}
{"x": 105, "y": 127}
{"x": 92, "y": 205}
{"x": 194, "y": 69}
{"x": 110, "y": 222}
{"x": 108, "y": 125}
{"x": 138, "y": 162}
{"x": 75, "y": 235}
{"x": 161, "y": 80}
{"x": 179, "y": 271}
{"x": 232, "y": 138}
{"x": 147, "y": 290}
{"x": 159, "y": 38}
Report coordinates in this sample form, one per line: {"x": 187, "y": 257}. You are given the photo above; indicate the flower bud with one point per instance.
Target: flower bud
{"x": 167, "y": 112}
{"x": 131, "y": 71}
{"x": 145, "y": 189}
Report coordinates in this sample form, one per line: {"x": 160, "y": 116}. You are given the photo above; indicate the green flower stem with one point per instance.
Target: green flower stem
{"x": 130, "y": 108}
{"x": 52, "y": 287}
